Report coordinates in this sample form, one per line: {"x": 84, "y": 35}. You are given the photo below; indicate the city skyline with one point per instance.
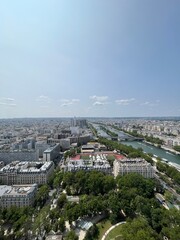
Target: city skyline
{"x": 89, "y": 58}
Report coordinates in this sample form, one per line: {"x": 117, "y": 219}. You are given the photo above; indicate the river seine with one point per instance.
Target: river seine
{"x": 157, "y": 152}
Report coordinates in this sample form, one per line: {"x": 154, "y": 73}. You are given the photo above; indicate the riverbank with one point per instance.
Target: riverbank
{"x": 155, "y": 151}
{"x": 163, "y": 147}
{"x": 154, "y": 159}
{"x": 170, "y": 150}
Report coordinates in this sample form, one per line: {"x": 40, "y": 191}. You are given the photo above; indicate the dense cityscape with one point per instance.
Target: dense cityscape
{"x": 75, "y": 178}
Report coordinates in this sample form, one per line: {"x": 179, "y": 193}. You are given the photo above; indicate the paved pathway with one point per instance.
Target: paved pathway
{"x": 107, "y": 232}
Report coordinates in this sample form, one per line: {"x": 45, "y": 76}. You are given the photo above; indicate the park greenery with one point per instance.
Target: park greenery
{"x": 92, "y": 233}
{"x": 138, "y": 229}
{"x": 71, "y": 236}
{"x": 171, "y": 172}
{"x": 13, "y": 219}
{"x": 70, "y": 153}
{"x": 103, "y": 226}
{"x": 115, "y": 233}
{"x": 130, "y": 196}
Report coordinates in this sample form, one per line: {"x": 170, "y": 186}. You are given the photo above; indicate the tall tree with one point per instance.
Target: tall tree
{"x": 71, "y": 236}
{"x": 138, "y": 229}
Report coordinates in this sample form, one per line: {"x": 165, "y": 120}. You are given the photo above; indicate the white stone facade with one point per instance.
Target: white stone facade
{"x": 26, "y": 172}
{"x": 138, "y": 165}
{"x": 17, "y": 195}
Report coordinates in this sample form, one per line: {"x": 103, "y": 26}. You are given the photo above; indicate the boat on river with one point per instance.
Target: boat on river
{"x": 165, "y": 160}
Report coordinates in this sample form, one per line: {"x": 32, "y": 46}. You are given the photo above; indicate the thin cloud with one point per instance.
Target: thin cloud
{"x": 68, "y": 102}
{"x": 145, "y": 103}
{"x": 124, "y": 102}
{"x": 99, "y": 98}
{"x": 8, "y": 104}
{"x": 44, "y": 99}
{"x": 63, "y": 100}
{"x": 99, "y": 103}
{"x": 150, "y": 104}
{"x": 6, "y": 101}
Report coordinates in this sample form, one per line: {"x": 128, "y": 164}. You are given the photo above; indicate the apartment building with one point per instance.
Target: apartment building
{"x": 17, "y": 195}
{"x": 138, "y": 165}
{"x": 26, "y": 172}
{"x": 95, "y": 162}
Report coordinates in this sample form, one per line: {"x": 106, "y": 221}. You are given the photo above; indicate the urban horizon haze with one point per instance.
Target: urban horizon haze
{"x": 89, "y": 58}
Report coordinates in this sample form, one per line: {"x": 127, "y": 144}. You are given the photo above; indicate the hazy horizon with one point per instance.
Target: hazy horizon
{"x": 173, "y": 118}
{"x": 66, "y": 58}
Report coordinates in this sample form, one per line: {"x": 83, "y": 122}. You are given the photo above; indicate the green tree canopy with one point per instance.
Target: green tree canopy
{"x": 138, "y": 229}
{"x": 71, "y": 236}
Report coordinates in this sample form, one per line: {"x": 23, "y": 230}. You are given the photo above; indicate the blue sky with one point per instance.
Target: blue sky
{"x": 109, "y": 58}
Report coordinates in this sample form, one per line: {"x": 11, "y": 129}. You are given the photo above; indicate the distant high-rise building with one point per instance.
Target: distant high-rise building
{"x": 78, "y": 122}
{"x": 73, "y": 122}
{"x": 81, "y": 123}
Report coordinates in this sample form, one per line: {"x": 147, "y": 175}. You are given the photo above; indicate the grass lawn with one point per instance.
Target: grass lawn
{"x": 110, "y": 158}
{"x": 85, "y": 157}
{"x": 103, "y": 226}
{"x": 115, "y": 234}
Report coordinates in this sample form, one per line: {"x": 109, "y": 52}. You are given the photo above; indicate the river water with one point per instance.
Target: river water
{"x": 154, "y": 150}
{"x": 157, "y": 152}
